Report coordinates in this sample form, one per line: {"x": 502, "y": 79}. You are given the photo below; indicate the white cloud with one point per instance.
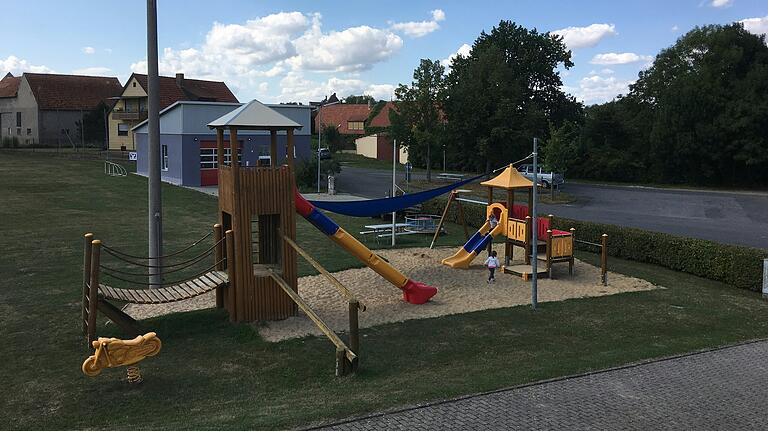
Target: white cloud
{"x": 420, "y": 28}
{"x": 296, "y": 88}
{"x": 245, "y": 55}
{"x": 584, "y": 37}
{"x": 619, "y": 58}
{"x": 463, "y": 51}
{"x": 353, "y": 49}
{"x": 93, "y": 71}
{"x": 674, "y": 28}
{"x": 17, "y": 66}
{"x": 89, "y": 50}
{"x": 598, "y": 89}
{"x": 756, "y": 26}
{"x": 721, "y": 3}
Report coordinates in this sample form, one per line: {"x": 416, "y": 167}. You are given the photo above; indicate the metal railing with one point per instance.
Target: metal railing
{"x": 114, "y": 170}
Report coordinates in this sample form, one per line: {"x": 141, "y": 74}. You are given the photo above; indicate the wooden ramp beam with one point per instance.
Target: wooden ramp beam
{"x": 342, "y": 351}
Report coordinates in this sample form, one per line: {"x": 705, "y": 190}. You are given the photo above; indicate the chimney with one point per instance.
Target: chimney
{"x": 180, "y": 80}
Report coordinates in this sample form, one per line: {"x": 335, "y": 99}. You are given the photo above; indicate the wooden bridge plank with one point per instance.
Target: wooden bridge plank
{"x": 178, "y": 292}
{"x": 196, "y": 287}
{"x": 189, "y": 292}
{"x": 207, "y": 281}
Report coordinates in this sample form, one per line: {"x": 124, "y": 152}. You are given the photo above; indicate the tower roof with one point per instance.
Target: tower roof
{"x": 508, "y": 180}
{"x": 255, "y": 115}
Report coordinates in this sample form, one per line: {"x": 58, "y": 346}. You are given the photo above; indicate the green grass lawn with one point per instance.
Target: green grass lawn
{"x": 215, "y": 375}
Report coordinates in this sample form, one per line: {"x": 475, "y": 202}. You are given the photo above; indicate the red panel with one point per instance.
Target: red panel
{"x": 209, "y": 177}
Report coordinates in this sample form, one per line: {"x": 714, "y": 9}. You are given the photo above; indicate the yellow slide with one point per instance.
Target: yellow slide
{"x": 474, "y": 246}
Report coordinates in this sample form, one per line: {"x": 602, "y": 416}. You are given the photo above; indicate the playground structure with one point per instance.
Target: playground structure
{"x": 254, "y": 271}
{"x": 113, "y": 352}
{"x": 514, "y": 224}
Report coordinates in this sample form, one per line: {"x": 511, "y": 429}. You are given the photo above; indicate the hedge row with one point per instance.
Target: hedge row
{"x": 739, "y": 266}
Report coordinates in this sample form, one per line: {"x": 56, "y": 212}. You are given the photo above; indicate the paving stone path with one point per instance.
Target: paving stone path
{"x": 724, "y": 389}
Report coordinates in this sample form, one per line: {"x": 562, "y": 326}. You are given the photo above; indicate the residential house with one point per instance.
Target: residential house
{"x": 131, "y": 106}
{"x": 379, "y": 145}
{"x": 188, "y": 146}
{"x": 45, "y": 109}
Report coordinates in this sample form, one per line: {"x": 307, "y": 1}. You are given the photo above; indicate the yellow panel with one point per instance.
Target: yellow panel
{"x": 516, "y": 230}
{"x": 562, "y": 246}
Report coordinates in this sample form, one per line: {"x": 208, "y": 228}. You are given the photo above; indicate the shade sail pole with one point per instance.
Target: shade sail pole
{"x": 153, "y": 142}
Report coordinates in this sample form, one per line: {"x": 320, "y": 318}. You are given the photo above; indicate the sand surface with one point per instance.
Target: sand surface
{"x": 460, "y": 291}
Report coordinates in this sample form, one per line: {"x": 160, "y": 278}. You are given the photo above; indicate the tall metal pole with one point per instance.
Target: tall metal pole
{"x": 319, "y": 137}
{"x": 534, "y": 230}
{"x": 153, "y": 150}
{"x": 394, "y": 161}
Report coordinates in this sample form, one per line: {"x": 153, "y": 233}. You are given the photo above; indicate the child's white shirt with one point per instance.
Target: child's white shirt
{"x": 492, "y": 262}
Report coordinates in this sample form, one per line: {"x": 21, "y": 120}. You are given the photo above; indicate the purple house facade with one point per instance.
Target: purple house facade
{"x": 188, "y": 148}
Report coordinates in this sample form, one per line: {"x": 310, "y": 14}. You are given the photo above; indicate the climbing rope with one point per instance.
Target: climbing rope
{"x": 118, "y": 255}
{"x": 159, "y": 257}
{"x": 163, "y": 283}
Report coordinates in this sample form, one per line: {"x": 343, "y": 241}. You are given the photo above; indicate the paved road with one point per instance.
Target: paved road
{"x": 718, "y": 390}
{"x": 727, "y": 217}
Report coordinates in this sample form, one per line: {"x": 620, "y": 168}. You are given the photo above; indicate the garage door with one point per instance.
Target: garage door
{"x": 209, "y": 163}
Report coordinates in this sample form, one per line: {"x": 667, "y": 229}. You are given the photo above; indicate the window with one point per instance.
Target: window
{"x": 208, "y": 157}
{"x": 122, "y": 129}
{"x": 18, "y": 119}
{"x": 134, "y": 84}
{"x": 18, "y": 131}
{"x": 143, "y": 105}
{"x": 29, "y": 131}
{"x": 165, "y": 157}
{"x": 355, "y": 125}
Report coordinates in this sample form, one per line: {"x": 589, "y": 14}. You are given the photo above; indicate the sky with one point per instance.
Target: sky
{"x": 297, "y": 51}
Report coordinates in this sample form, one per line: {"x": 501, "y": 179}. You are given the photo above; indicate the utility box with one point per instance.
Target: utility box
{"x": 765, "y": 278}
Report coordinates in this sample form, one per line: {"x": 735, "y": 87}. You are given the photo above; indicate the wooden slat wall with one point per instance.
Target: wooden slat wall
{"x": 263, "y": 190}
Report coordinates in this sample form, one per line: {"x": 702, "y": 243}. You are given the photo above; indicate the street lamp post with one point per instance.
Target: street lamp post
{"x": 319, "y": 139}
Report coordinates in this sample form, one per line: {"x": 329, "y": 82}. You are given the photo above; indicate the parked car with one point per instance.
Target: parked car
{"x": 324, "y": 153}
{"x": 545, "y": 178}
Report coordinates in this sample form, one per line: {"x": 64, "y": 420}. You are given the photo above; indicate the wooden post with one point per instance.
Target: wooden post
{"x": 93, "y": 289}
{"x": 528, "y": 238}
{"x": 490, "y": 195}
{"x": 573, "y": 250}
{"x": 342, "y": 367}
{"x": 218, "y": 257}
{"x": 86, "y": 280}
{"x": 354, "y": 332}
{"x": 604, "y": 259}
{"x": 451, "y": 197}
{"x": 289, "y": 148}
{"x": 549, "y": 253}
{"x": 219, "y": 147}
{"x": 232, "y": 275}
{"x": 273, "y": 148}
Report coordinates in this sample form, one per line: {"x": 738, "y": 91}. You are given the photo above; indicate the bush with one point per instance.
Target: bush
{"x": 306, "y": 171}
{"x": 10, "y": 142}
{"x": 731, "y": 264}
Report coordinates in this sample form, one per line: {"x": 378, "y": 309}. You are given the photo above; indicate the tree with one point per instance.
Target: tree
{"x": 705, "y": 101}
{"x": 504, "y": 93}
{"x": 362, "y": 100}
{"x": 560, "y": 150}
{"x": 332, "y": 139}
{"x": 417, "y": 118}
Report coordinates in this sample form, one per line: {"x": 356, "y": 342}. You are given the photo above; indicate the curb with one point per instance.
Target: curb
{"x": 536, "y": 383}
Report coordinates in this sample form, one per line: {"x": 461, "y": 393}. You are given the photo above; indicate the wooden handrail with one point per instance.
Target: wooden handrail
{"x": 351, "y": 356}
{"x": 335, "y": 282}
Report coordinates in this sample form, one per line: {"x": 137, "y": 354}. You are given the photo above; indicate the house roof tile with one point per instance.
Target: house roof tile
{"x": 9, "y": 85}
{"x": 191, "y": 89}
{"x": 71, "y": 92}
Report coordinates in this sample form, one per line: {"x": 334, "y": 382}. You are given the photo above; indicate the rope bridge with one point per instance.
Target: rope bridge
{"x": 188, "y": 278}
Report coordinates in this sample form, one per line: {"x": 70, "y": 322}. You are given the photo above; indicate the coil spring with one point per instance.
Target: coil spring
{"x": 134, "y": 375}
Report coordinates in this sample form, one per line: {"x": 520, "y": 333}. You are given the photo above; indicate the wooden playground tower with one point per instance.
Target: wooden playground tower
{"x": 256, "y": 210}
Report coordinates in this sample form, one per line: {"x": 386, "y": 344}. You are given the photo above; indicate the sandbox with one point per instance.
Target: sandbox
{"x": 461, "y": 291}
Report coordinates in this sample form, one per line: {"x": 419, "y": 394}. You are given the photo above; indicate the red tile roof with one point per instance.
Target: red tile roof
{"x": 338, "y": 116}
{"x": 9, "y": 85}
{"x": 382, "y": 118}
{"x": 191, "y": 89}
{"x": 71, "y": 92}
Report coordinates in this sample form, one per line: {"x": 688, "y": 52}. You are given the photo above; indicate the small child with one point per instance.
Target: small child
{"x": 492, "y": 262}
{"x": 493, "y": 221}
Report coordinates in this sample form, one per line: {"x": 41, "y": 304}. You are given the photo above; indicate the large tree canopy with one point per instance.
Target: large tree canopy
{"x": 416, "y": 121}
{"x": 507, "y": 91}
{"x": 697, "y": 116}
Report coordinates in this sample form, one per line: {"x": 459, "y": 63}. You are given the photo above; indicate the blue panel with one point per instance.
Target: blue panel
{"x": 322, "y": 222}
{"x": 473, "y": 241}
{"x": 482, "y": 244}
{"x": 375, "y": 207}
